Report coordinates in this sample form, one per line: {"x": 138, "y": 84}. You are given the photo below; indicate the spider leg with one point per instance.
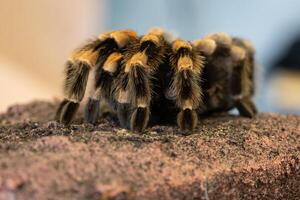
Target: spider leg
{"x": 246, "y": 107}
{"x": 140, "y": 86}
{"x": 104, "y": 78}
{"x": 242, "y": 101}
{"x": 207, "y": 46}
{"x": 123, "y": 113}
{"x": 92, "y": 110}
{"x": 135, "y": 85}
{"x": 188, "y": 65}
{"x": 108, "y": 67}
{"x": 75, "y": 84}
{"x": 59, "y": 109}
{"x": 122, "y": 96}
{"x": 93, "y": 53}
{"x": 241, "y": 84}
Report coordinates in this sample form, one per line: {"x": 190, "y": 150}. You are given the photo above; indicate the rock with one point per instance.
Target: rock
{"x": 227, "y": 157}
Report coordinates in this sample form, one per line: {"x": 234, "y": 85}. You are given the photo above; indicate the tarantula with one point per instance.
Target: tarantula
{"x": 152, "y": 78}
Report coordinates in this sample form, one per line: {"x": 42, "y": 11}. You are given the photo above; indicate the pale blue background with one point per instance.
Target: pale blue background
{"x": 270, "y": 24}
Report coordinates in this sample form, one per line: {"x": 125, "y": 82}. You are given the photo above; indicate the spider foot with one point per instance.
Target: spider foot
{"x": 246, "y": 108}
{"x": 92, "y": 111}
{"x": 66, "y": 111}
{"x": 187, "y": 120}
{"x": 139, "y": 119}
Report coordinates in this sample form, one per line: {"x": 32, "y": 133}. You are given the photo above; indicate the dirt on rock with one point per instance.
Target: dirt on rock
{"x": 227, "y": 157}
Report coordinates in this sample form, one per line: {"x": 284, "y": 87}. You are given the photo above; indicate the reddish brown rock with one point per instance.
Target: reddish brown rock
{"x": 228, "y": 157}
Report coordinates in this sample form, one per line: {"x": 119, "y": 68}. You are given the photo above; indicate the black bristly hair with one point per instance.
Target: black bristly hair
{"x": 187, "y": 63}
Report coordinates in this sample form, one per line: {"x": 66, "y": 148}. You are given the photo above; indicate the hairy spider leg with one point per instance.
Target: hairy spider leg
{"x": 242, "y": 81}
{"x": 77, "y": 71}
{"x": 134, "y": 88}
{"x": 188, "y": 65}
{"x": 107, "y": 69}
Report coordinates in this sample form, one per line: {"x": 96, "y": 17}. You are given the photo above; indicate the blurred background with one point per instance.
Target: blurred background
{"x": 37, "y": 36}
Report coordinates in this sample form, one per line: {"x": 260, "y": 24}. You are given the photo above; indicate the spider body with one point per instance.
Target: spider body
{"x": 150, "y": 79}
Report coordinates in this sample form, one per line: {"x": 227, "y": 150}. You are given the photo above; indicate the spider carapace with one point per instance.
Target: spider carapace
{"x": 155, "y": 78}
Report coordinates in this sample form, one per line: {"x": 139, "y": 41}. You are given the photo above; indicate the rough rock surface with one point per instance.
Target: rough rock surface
{"x": 228, "y": 157}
